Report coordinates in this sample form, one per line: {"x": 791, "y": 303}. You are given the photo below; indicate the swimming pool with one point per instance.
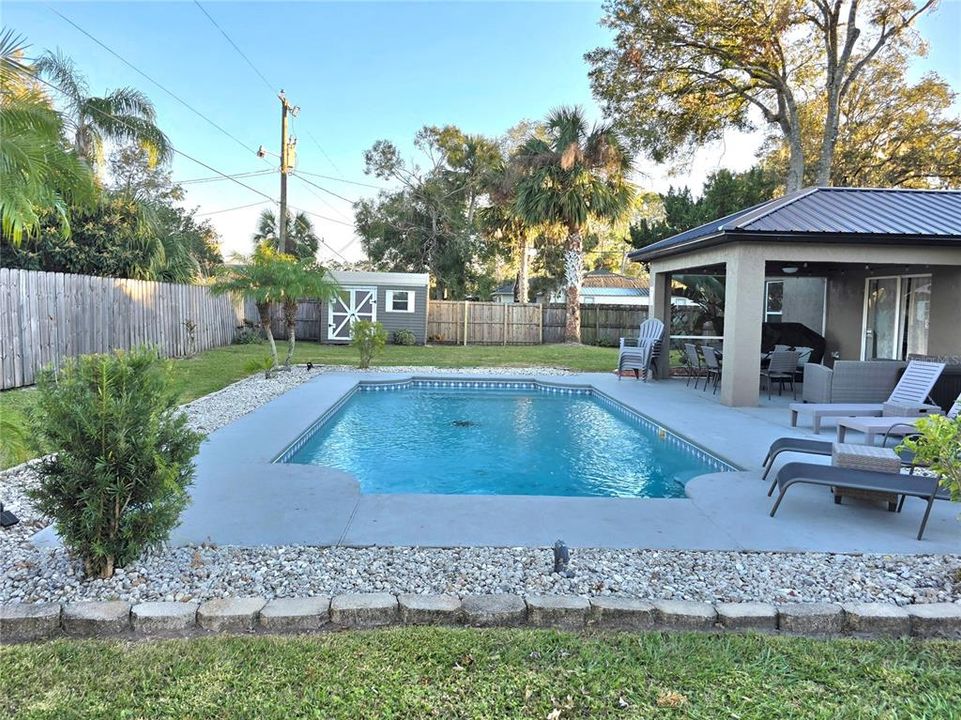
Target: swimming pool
{"x": 499, "y": 439}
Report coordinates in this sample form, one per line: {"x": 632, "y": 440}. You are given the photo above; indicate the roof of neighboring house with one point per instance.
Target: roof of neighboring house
{"x": 614, "y": 292}
{"x": 505, "y": 289}
{"x": 830, "y": 214}
{"x": 603, "y": 278}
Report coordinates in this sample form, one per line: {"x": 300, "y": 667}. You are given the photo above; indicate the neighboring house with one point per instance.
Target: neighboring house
{"x": 603, "y": 287}
{"x": 504, "y": 293}
{"x": 397, "y": 300}
{"x": 888, "y": 262}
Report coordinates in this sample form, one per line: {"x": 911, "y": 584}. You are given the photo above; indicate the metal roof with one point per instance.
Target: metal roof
{"x": 831, "y": 214}
{"x": 614, "y": 292}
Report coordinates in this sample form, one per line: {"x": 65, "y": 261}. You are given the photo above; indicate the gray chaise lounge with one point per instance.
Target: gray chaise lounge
{"x": 825, "y": 447}
{"x": 910, "y": 394}
{"x": 925, "y": 487}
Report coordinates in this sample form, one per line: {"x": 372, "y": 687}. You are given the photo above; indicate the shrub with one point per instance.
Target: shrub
{"x": 263, "y": 364}
{"x": 938, "y": 446}
{"x": 369, "y": 338}
{"x": 248, "y": 335}
{"x": 404, "y": 337}
{"x": 123, "y": 460}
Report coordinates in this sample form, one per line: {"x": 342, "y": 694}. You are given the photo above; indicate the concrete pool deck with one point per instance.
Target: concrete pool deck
{"x": 241, "y": 498}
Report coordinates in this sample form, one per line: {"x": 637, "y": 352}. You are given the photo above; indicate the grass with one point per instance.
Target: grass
{"x": 215, "y": 369}
{"x": 461, "y": 673}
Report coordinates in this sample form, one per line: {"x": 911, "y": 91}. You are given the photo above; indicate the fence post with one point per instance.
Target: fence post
{"x": 540, "y": 321}
{"x": 505, "y": 308}
{"x": 466, "y": 303}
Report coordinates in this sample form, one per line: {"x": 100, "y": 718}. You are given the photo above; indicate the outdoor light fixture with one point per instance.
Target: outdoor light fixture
{"x": 562, "y": 556}
{"x": 789, "y": 269}
{"x": 7, "y": 518}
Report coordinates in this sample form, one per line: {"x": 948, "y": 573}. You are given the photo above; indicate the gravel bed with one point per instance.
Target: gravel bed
{"x": 31, "y": 574}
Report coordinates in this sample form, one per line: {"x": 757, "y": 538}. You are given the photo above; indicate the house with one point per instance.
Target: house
{"x": 603, "y": 287}
{"x": 889, "y": 260}
{"x": 504, "y": 293}
{"x": 396, "y": 300}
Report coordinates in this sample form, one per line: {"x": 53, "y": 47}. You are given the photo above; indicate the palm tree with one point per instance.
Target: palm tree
{"x": 273, "y": 277}
{"x": 123, "y": 115}
{"x": 503, "y": 222}
{"x": 299, "y": 232}
{"x": 38, "y": 175}
{"x": 572, "y": 176}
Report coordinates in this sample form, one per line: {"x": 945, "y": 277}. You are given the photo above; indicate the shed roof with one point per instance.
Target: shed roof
{"x": 830, "y": 214}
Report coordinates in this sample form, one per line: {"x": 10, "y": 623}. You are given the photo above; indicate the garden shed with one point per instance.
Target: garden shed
{"x": 396, "y": 300}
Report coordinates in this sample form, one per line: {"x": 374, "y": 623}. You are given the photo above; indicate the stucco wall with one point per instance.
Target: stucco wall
{"x": 804, "y": 301}
{"x": 945, "y": 335}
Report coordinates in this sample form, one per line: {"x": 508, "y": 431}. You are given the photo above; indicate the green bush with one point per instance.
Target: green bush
{"x": 248, "y": 335}
{"x": 938, "y": 446}
{"x": 263, "y": 364}
{"x": 404, "y": 337}
{"x": 123, "y": 456}
{"x": 369, "y": 338}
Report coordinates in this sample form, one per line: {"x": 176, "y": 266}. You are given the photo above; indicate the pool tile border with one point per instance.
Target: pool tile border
{"x": 715, "y": 463}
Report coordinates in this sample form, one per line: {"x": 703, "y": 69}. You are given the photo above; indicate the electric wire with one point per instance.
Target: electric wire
{"x": 236, "y": 47}
{"x": 162, "y": 87}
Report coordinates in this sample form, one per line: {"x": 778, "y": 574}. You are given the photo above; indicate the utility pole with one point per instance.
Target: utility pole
{"x": 287, "y": 162}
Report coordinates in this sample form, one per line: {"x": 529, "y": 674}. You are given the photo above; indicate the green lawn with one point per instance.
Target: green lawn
{"x": 218, "y": 368}
{"x": 459, "y": 673}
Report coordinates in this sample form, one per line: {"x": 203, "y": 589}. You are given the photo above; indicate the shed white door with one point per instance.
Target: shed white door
{"x": 350, "y": 305}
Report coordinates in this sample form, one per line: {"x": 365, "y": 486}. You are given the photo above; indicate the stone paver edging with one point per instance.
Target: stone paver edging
{"x": 38, "y": 621}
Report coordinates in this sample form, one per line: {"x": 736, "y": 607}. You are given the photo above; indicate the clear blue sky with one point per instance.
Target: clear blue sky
{"x": 359, "y": 72}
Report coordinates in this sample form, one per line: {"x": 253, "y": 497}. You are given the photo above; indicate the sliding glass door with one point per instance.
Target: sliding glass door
{"x": 896, "y": 313}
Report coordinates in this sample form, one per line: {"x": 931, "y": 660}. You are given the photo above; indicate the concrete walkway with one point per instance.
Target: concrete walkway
{"x": 241, "y": 498}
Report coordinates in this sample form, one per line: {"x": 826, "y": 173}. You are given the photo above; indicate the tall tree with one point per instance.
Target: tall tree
{"x": 895, "y": 133}
{"x": 575, "y": 175}
{"x": 681, "y": 72}
{"x": 39, "y": 176}
{"x": 299, "y": 230}
{"x": 431, "y": 221}
{"x": 124, "y": 115}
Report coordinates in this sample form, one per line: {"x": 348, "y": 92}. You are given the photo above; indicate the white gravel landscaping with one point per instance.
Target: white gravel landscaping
{"x": 29, "y": 574}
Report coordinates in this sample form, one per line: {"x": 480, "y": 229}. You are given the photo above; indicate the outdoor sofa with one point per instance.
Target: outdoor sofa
{"x": 907, "y": 398}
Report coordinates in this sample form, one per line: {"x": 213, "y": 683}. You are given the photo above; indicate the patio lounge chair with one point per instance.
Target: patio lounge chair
{"x": 921, "y": 486}
{"x": 908, "y": 396}
{"x": 641, "y": 354}
{"x": 824, "y": 447}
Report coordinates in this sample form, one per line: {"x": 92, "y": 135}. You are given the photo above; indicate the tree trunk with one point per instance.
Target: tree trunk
{"x": 263, "y": 310}
{"x": 573, "y": 275}
{"x": 290, "y": 321}
{"x": 523, "y": 273}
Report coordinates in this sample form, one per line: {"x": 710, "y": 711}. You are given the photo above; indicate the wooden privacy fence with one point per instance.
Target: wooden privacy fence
{"x": 310, "y": 313}
{"x": 45, "y": 317}
{"x": 482, "y": 323}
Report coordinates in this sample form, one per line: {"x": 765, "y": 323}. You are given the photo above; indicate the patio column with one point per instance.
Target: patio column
{"x": 660, "y": 308}
{"x": 743, "y": 315}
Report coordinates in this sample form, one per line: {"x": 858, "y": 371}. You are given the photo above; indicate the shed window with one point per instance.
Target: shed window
{"x": 400, "y": 301}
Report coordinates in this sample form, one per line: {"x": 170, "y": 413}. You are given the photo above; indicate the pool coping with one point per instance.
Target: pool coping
{"x": 241, "y": 498}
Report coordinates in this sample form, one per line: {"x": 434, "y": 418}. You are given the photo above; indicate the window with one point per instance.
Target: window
{"x": 896, "y": 316}
{"x": 774, "y": 304}
{"x": 400, "y": 301}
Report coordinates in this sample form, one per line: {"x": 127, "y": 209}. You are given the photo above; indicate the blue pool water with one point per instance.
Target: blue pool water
{"x": 500, "y": 442}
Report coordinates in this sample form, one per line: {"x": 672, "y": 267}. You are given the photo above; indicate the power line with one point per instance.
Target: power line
{"x": 324, "y": 200}
{"x": 145, "y": 75}
{"x": 212, "y": 178}
{"x": 231, "y": 209}
{"x": 320, "y": 147}
{"x": 173, "y": 149}
{"x": 237, "y": 48}
{"x": 324, "y": 217}
{"x": 329, "y": 192}
{"x": 339, "y": 179}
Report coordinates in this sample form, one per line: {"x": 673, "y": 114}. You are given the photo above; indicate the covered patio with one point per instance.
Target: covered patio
{"x": 890, "y": 261}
